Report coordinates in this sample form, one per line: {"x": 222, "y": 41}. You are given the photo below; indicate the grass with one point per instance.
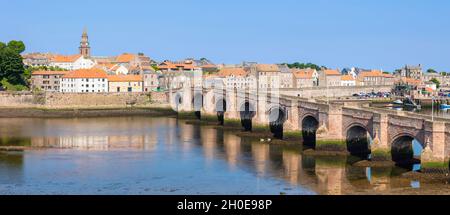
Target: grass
{"x": 186, "y": 115}
{"x": 233, "y": 123}
{"x": 209, "y": 118}
{"x": 381, "y": 155}
{"x": 331, "y": 145}
{"x": 432, "y": 165}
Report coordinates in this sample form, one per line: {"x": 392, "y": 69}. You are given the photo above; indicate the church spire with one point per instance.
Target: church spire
{"x": 85, "y": 49}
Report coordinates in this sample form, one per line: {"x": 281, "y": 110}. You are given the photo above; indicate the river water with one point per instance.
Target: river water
{"x": 144, "y": 155}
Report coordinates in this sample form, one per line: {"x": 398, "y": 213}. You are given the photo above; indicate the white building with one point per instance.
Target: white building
{"x": 235, "y": 77}
{"x": 72, "y": 62}
{"x": 348, "y": 80}
{"x": 84, "y": 81}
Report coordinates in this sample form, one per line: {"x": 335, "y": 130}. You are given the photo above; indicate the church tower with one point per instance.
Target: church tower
{"x": 85, "y": 49}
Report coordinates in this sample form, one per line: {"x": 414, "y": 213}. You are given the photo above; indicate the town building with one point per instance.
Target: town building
{"x": 151, "y": 80}
{"x": 348, "y": 81}
{"x": 84, "y": 81}
{"x": 286, "y": 76}
{"x": 414, "y": 72}
{"x": 48, "y": 81}
{"x": 268, "y": 75}
{"x": 72, "y": 62}
{"x": 305, "y": 78}
{"x": 125, "y": 83}
{"x": 237, "y": 77}
{"x": 37, "y": 59}
{"x": 329, "y": 77}
{"x": 375, "y": 78}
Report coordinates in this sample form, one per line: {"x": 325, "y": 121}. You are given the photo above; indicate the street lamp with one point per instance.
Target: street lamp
{"x": 432, "y": 108}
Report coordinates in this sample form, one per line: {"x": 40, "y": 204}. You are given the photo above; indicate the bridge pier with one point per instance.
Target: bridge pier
{"x": 209, "y": 113}
{"x": 329, "y": 135}
{"x": 434, "y": 155}
{"x": 381, "y": 151}
{"x": 232, "y": 115}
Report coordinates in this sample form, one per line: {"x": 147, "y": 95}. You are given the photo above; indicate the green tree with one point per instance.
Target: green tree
{"x": 17, "y": 46}
{"x": 431, "y": 71}
{"x": 437, "y": 82}
{"x": 12, "y": 70}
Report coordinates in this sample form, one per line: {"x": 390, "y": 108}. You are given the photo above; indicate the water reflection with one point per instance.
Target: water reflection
{"x": 142, "y": 155}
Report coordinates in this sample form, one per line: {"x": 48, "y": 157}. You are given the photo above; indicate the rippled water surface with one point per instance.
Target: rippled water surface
{"x": 143, "y": 155}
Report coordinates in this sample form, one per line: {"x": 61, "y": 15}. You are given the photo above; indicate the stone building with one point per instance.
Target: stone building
{"x": 125, "y": 83}
{"x": 330, "y": 78}
{"x": 48, "y": 81}
{"x": 286, "y": 76}
{"x": 237, "y": 77}
{"x": 268, "y": 75}
{"x": 304, "y": 78}
{"x": 151, "y": 80}
{"x": 414, "y": 72}
{"x": 37, "y": 59}
{"x": 375, "y": 78}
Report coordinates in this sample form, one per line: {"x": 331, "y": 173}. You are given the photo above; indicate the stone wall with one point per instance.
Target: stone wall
{"x": 333, "y": 92}
{"x": 17, "y": 99}
{"x": 59, "y": 100}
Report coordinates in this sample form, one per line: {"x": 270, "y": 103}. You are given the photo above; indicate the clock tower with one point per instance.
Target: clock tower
{"x": 85, "y": 49}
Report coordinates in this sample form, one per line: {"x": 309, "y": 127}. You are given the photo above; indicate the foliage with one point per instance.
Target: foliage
{"x": 17, "y": 46}
{"x": 298, "y": 65}
{"x": 46, "y": 68}
{"x": 155, "y": 67}
{"x": 13, "y": 75}
{"x": 12, "y": 87}
{"x": 437, "y": 82}
{"x": 431, "y": 71}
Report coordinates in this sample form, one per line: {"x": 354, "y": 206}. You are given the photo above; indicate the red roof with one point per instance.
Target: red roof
{"x": 86, "y": 73}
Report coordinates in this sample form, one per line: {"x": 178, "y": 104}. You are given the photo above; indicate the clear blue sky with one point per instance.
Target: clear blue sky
{"x": 383, "y": 34}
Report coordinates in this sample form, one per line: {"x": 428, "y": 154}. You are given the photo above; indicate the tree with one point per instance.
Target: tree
{"x": 17, "y": 46}
{"x": 431, "y": 71}
{"x": 12, "y": 70}
{"x": 437, "y": 82}
{"x": 298, "y": 65}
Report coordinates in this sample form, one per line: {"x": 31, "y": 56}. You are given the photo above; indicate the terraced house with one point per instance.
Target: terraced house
{"x": 48, "y": 81}
{"x": 125, "y": 83}
{"x": 84, "y": 81}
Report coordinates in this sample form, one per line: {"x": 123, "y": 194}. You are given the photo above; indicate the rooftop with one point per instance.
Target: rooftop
{"x": 86, "y": 73}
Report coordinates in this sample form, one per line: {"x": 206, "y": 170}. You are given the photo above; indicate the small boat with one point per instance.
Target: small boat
{"x": 445, "y": 106}
{"x": 398, "y": 102}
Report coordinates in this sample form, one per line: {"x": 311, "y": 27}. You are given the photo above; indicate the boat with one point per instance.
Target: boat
{"x": 398, "y": 102}
{"x": 411, "y": 104}
{"x": 445, "y": 106}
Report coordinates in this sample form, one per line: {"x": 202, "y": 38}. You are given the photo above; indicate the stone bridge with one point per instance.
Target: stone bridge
{"x": 329, "y": 126}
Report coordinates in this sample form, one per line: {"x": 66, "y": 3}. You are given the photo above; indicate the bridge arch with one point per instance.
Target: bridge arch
{"x": 247, "y": 113}
{"x": 310, "y": 124}
{"x": 358, "y": 140}
{"x": 178, "y": 101}
{"x": 277, "y": 117}
{"x": 406, "y": 150}
{"x": 221, "y": 109}
{"x": 197, "y": 103}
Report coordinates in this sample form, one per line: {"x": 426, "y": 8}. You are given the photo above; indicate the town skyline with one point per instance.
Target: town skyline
{"x": 378, "y": 44}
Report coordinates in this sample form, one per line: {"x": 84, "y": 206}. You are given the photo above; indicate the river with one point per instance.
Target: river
{"x": 144, "y": 155}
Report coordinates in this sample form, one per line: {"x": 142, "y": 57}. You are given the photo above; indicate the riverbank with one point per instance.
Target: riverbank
{"x": 70, "y": 112}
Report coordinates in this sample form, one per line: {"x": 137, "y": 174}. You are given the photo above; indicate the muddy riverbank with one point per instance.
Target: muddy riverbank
{"x": 155, "y": 111}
